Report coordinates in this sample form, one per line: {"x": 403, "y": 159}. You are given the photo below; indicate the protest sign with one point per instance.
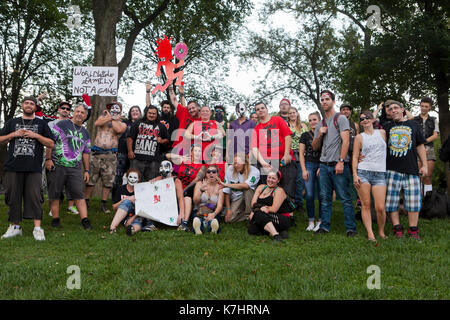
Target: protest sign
{"x": 157, "y": 201}
{"x": 92, "y": 81}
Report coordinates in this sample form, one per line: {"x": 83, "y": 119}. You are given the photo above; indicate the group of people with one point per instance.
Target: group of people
{"x": 257, "y": 168}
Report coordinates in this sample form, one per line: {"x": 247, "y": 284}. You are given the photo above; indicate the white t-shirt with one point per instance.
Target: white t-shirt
{"x": 252, "y": 181}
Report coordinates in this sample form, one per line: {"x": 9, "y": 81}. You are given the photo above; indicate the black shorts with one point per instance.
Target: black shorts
{"x": 70, "y": 178}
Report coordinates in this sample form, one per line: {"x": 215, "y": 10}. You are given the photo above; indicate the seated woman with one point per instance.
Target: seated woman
{"x": 165, "y": 171}
{"x": 190, "y": 171}
{"x": 124, "y": 200}
{"x": 270, "y": 209}
{"x": 240, "y": 183}
{"x": 208, "y": 199}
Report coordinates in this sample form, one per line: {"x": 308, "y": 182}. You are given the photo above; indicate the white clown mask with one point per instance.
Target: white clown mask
{"x": 240, "y": 109}
{"x": 166, "y": 169}
{"x": 133, "y": 178}
{"x": 115, "y": 110}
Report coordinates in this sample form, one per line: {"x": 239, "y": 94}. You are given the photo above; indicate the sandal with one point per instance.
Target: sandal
{"x": 372, "y": 240}
{"x": 112, "y": 231}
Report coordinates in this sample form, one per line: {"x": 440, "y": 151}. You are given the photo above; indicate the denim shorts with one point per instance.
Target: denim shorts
{"x": 374, "y": 178}
{"x": 127, "y": 206}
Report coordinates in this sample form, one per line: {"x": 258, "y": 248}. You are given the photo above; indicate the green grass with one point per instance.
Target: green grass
{"x": 170, "y": 264}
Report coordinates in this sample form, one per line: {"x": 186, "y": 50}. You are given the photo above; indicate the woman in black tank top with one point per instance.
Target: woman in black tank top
{"x": 270, "y": 209}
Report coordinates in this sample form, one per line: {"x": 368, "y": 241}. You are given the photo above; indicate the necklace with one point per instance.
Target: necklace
{"x": 77, "y": 130}
{"x": 27, "y": 124}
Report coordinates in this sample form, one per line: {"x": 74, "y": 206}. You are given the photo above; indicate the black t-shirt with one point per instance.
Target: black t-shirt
{"x": 171, "y": 123}
{"x": 25, "y": 154}
{"x": 123, "y": 138}
{"x": 403, "y": 139}
{"x": 310, "y": 155}
{"x": 121, "y": 192}
{"x": 144, "y": 135}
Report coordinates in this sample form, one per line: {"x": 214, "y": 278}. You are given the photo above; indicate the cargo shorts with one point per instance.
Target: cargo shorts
{"x": 103, "y": 166}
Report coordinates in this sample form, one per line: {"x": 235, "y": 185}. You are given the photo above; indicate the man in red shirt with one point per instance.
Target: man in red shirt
{"x": 271, "y": 146}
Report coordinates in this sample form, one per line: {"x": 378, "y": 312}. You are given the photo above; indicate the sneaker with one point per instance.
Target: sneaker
{"x": 351, "y": 233}
{"x": 12, "y": 231}
{"x": 214, "y": 226}
{"x": 278, "y": 238}
{"x": 398, "y": 231}
{"x": 284, "y": 234}
{"x": 50, "y": 213}
{"x": 86, "y": 224}
{"x": 104, "y": 208}
{"x": 183, "y": 226}
{"x": 149, "y": 227}
{"x": 130, "y": 230}
{"x": 310, "y": 226}
{"x": 321, "y": 231}
{"x": 414, "y": 234}
{"x": 38, "y": 234}
{"x": 73, "y": 210}
{"x": 56, "y": 223}
{"x": 317, "y": 226}
{"x": 196, "y": 224}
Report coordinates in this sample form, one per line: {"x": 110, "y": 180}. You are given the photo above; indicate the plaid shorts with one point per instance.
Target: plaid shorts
{"x": 410, "y": 184}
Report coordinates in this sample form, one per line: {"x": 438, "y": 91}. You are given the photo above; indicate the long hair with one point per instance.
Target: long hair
{"x": 243, "y": 157}
{"x": 144, "y": 116}
{"x": 131, "y": 109}
{"x": 298, "y": 122}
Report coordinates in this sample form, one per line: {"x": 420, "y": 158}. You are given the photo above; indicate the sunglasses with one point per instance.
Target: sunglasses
{"x": 211, "y": 171}
{"x": 361, "y": 119}
{"x": 65, "y": 108}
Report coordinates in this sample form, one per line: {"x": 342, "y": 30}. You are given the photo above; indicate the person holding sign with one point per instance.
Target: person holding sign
{"x": 104, "y": 159}
{"x": 208, "y": 198}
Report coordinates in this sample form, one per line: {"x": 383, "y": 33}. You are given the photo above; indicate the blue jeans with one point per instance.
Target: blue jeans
{"x": 310, "y": 186}
{"x": 328, "y": 180}
{"x": 299, "y": 187}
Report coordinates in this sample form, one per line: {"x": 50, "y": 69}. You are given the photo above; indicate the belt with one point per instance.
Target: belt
{"x": 330, "y": 164}
{"x": 97, "y": 150}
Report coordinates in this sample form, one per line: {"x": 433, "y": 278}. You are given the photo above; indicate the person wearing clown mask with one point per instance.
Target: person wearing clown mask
{"x": 165, "y": 171}
{"x": 124, "y": 204}
{"x": 104, "y": 159}
{"x": 239, "y": 133}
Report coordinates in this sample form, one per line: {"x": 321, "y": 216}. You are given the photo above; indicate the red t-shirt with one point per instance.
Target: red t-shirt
{"x": 269, "y": 138}
{"x": 205, "y": 126}
{"x": 185, "y": 119}
{"x": 188, "y": 172}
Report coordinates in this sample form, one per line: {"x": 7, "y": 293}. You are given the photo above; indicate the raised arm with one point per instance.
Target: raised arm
{"x": 148, "y": 89}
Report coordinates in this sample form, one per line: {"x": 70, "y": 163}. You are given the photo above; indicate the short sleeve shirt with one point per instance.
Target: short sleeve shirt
{"x": 71, "y": 141}
{"x": 269, "y": 138}
{"x": 252, "y": 181}
{"x": 332, "y": 141}
{"x": 25, "y": 154}
{"x": 310, "y": 154}
{"x": 145, "y": 144}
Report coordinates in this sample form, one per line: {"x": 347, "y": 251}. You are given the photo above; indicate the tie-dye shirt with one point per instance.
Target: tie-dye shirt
{"x": 71, "y": 141}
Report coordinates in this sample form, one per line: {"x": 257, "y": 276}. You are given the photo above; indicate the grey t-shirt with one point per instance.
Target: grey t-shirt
{"x": 332, "y": 141}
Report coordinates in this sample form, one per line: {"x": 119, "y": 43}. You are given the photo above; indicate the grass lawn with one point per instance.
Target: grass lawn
{"x": 171, "y": 264}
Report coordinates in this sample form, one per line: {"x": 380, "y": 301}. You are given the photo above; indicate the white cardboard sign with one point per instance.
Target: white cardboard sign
{"x": 100, "y": 81}
{"x": 157, "y": 201}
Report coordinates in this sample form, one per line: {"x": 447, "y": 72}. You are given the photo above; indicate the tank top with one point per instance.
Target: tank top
{"x": 374, "y": 152}
{"x": 268, "y": 201}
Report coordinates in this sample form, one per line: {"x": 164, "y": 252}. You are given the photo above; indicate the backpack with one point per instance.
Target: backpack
{"x": 444, "y": 152}
{"x": 435, "y": 205}
{"x": 336, "y": 125}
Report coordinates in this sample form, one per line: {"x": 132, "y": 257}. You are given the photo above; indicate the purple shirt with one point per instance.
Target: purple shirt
{"x": 241, "y": 135}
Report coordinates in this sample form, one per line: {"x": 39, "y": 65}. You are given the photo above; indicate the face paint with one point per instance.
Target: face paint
{"x": 166, "y": 169}
{"x": 218, "y": 114}
{"x": 240, "y": 109}
{"x": 133, "y": 178}
{"x": 115, "y": 110}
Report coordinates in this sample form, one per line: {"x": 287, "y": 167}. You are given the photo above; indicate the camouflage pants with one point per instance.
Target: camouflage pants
{"x": 103, "y": 166}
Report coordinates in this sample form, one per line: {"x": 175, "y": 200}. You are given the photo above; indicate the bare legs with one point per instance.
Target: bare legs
{"x": 379, "y": 195}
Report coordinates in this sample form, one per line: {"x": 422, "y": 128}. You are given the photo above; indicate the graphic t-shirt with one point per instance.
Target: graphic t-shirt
{"x": 201, "y": 127}
{"x": 188, "y": 172}
{"x": 120, "y": 194}
{"x": 403, "y": 139}
{"x": 252, "y": 181}
{"x": 310, "y": 155}
{"x": 269, "y": 138}
{"x": 71, "y": 141}
{"x": 25, "y": 154}
{"x": 122, "y": 148}
{"x": 185, "y": 120}
{"x": 145, "y": 144}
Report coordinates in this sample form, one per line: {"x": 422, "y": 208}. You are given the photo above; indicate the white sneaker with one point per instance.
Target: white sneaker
{"x": 196, "y": 225}
{"x": 12, "y": 231}
{"x": 310, "y": 226}
{"x": 50, "y": 213}
{"x": 38, "y": 234}
{"x": 317, "y": 226}
{"x": 73, "y": 210}
{"x": 214, "y": 226}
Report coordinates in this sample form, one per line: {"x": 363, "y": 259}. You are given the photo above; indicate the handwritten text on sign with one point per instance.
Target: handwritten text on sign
{"x": 100, "y": 81}
{"x": 157, "y": 201}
